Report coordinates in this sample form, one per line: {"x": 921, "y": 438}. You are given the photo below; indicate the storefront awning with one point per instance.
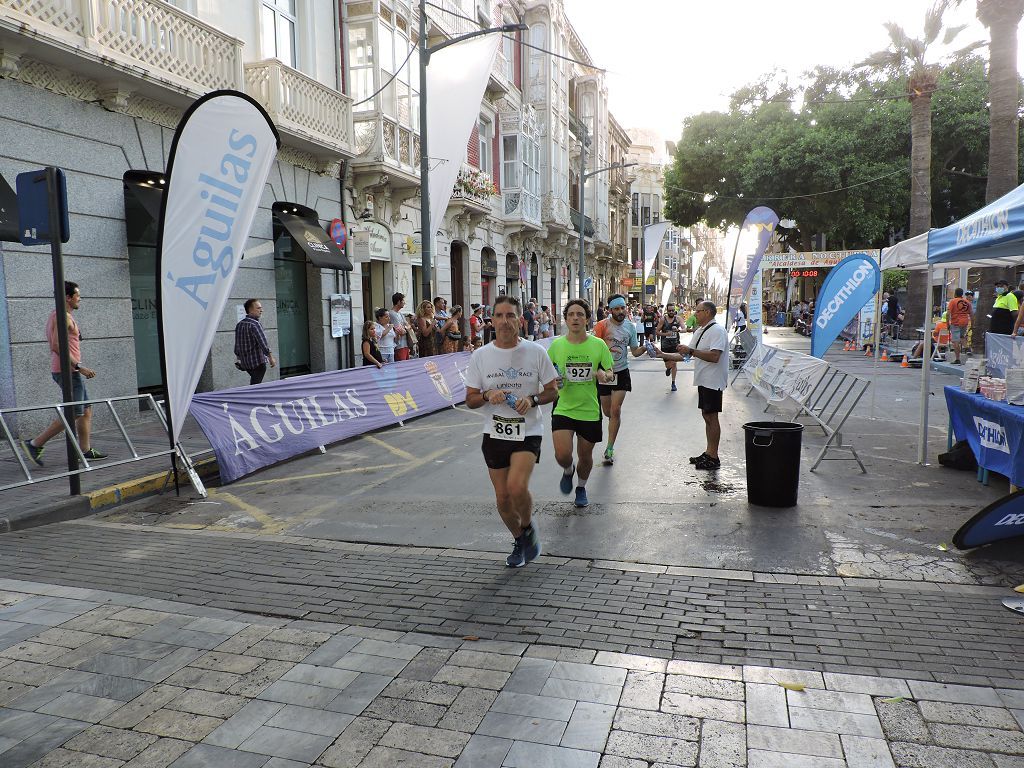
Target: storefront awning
{"x": 322, "y": 251}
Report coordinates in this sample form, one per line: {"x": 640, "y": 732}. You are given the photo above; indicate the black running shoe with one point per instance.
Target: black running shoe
{"x": 36, "y": 454}
{"x": 708, "y": 463}
{"x": 695, "y": 459}
{"x": 93, "y": 454}
{"x": 517, "y": 559}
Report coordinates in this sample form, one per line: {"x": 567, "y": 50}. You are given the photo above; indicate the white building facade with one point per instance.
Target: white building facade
{"x": 97, "y": 88}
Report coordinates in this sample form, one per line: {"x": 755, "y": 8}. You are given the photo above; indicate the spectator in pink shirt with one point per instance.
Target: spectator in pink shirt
{"x": 79, "y": 373}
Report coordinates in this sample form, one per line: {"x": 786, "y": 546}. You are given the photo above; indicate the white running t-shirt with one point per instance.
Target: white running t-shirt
{"x": 523, "y": 371}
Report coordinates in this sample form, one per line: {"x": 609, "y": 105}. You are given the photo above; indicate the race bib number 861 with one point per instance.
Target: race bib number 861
{"x": 508, "y": 428}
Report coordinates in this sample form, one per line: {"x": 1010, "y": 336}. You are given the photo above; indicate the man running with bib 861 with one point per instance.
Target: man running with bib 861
{"x": 509, "y": 378}
{"x": 583, "y": 361}
{"x": 620, "y": 336}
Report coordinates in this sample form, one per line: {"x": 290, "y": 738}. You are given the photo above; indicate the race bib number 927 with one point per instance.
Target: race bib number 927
{"x": 579, "y": 372}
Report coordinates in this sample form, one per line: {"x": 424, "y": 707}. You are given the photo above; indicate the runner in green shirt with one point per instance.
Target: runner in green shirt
{"x": 582, "y": 360}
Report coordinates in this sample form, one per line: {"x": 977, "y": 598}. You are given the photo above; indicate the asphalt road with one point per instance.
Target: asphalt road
{"x": 425, "y": 484}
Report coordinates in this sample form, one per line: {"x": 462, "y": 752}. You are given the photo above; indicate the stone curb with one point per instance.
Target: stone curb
{"x": 90, "y": 502}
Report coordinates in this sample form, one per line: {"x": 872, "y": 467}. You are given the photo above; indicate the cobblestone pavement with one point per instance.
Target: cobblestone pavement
{"x": 102, "y": 679}
{"x": 948, "y": 633}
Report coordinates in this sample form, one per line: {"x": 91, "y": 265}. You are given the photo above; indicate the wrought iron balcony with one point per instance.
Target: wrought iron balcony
{"x": 521, "y": 207}
{"x": 149, "y": 43}
{"x": 588, "y": 224}
{"x": 474, "y": 188}
{"x": 302, "y": 106}
{"x": 450, "y": 19}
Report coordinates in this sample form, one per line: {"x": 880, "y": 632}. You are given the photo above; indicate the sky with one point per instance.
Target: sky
{"x": 673, "y": 58}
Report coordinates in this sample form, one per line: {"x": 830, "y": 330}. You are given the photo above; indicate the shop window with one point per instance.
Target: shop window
{"x": 143, "y": 193}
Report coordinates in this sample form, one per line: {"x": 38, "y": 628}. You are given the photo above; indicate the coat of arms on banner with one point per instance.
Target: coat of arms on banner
{"x": 438, "y": 378}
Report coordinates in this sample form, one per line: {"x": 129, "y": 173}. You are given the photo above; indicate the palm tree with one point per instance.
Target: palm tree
{"x": 907, "y": 57}
{"x": 1001, "y": 18}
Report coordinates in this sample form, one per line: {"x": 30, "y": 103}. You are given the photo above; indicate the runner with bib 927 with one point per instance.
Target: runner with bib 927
{"x": 509, "y": 378}
{"x": 582, "y": 361}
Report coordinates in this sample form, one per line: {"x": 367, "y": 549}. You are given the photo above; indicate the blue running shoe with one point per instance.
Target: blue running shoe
{"x": 565, "y": 484}
{"x": 531, "y": 544}
{"x": 517, "y": 559}
{"x": 674, "y": 387}
{"x": 581, "y": 497}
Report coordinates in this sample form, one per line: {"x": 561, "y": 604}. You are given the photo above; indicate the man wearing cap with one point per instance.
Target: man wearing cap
{"x": 1004, "y": 309}
{"x": 620, "y": 336}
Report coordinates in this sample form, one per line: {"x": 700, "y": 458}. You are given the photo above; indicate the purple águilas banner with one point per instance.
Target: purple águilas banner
{"x": 255, "y": 427}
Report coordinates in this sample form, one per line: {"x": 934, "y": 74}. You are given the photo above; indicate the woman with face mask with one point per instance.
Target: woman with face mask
{"x": 1004, "y": 309}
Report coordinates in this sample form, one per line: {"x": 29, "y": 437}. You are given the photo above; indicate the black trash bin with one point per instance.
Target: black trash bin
{"x": 773, "y": 462}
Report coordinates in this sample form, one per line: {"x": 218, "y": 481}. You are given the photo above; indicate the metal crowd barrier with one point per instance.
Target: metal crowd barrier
{"x": 830, "y": 403}
{"x": 69, "y": 432}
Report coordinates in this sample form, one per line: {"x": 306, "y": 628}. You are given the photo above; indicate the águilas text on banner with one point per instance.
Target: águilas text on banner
{"x": 220, "y": 158}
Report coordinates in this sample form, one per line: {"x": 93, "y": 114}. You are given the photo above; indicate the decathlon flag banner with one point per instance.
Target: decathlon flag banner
{"x": 255, "y": 427}
{"x": 653, "y": 235}
{"x": 1003, "y": 352}
{"x": 456, "y": 79}
{"x": 219, "y": 162}
{"x": 764, "y": 221}
{"x": 999, "y": 521}
{"x": 993, "y": 429}
{"x": 848, "y": 287}
{"x": 779, "y": 374}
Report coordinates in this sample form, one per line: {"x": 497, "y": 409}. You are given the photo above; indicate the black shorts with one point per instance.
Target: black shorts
{"x": 669, "y": 345}
{"x": 589, "y": 430}
{"x": 622, "y": 383}
{"x": 709, "y": 400}
{"x": 498, "y": 453}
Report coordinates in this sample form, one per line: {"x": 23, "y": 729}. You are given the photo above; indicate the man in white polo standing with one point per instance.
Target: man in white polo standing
{"x": 709, "y": 347}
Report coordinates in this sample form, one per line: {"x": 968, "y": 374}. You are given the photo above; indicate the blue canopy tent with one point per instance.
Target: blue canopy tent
{"x": 992, "y": 236}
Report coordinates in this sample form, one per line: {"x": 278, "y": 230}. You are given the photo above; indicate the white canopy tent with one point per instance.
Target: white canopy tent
{"x": 992, "y": 236}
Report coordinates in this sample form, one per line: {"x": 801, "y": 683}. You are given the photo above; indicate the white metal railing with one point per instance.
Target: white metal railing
{"x": 300, "y": 104}
{"x": 473, "y": 185}
{"x": 167, "y": 42}
{"x": 520, "y": 204}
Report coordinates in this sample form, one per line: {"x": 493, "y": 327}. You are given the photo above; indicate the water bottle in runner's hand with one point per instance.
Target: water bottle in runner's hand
{"x": 651, "y": 351}
{"x": 510, "y": 400}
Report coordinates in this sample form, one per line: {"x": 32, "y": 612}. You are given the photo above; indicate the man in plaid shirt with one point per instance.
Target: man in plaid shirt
{"x": 251, "y": 347}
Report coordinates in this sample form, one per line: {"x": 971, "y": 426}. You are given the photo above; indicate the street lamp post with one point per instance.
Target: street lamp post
{"x": 426, "y": 233}
{"x": 584, "y": 175}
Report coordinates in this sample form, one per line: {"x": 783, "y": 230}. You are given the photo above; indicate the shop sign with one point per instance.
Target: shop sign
{"x": 371, "y": 241}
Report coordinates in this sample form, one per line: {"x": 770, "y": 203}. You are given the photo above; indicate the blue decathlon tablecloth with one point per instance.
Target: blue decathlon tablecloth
{"x": 994, "y": 430}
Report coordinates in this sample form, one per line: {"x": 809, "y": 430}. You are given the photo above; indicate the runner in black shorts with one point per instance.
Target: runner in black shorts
{"x": 621, "y": 337}
{"x": 668, "y": 330}
{"x": 581, "y": 361}
{"x": 509, "y": 378}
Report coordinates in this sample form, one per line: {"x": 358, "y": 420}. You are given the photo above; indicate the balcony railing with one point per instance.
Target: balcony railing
{"x": 588, "y": 225}
{"x": 521, "y": 205}
{"x": 136, "y": 36}
{"x": 450, "y": 18}
{"x": 473, "y": 186}
{"x": 301, "y": 105}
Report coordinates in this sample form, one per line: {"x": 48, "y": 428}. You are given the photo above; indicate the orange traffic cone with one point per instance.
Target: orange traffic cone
{"x": 904, "y": 364}
{"x": 885, "y": 355}
{"x": 846, "y": 346}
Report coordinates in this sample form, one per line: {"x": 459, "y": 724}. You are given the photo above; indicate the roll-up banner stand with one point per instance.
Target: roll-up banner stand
{"x": 218, "y": 166}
